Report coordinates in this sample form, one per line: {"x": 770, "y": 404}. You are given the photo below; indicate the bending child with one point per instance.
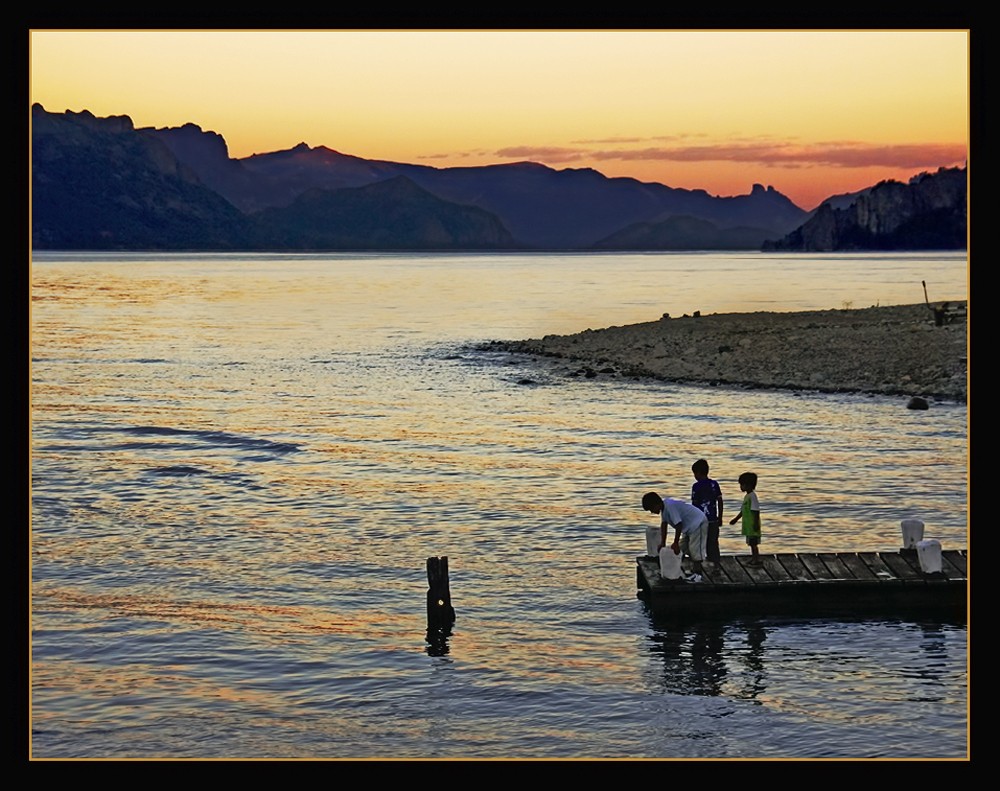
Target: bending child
{"x": 690, "y": 526}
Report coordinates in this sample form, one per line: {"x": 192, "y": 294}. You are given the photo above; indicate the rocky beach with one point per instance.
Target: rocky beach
{"x": 891, "y": 350}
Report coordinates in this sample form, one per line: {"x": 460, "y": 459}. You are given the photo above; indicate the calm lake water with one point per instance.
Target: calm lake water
{"x": 241, "y": 463}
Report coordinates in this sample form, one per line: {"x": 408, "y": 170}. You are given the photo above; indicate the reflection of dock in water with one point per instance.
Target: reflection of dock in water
{"x": 746, "y": 657}
{"x": 810, "y": 583}
{"x": 712, "y": 657}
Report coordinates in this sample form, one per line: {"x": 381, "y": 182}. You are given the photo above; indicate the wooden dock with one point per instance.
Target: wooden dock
{"x": 841, "y": 583}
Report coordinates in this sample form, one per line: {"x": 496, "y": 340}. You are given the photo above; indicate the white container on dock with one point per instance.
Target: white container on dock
{"x": 652, "y": 541}
{"x": 670, "y": 564}
{"x": 913, "y": 532}
{"x": 929, "y": 555}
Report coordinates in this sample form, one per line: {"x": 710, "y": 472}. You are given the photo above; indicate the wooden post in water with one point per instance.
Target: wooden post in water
{"x": 440, "y": 613}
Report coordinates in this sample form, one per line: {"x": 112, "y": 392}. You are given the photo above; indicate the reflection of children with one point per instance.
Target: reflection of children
{"x": 706, "y": 495}
{"x": 750, "y": 514}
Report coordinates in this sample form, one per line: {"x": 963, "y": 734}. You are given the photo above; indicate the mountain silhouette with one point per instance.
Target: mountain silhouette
{"x": 101, "y": 183}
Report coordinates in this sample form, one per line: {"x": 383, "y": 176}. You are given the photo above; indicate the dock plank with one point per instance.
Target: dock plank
{"x": 717, "y": 575}
{"x": 882, "y": 572}
{"x": 901, "y": 568}
{"x": 816, "y": 566}
{"x": 912, "y": 559}
{"x": 757, "y": 574}
{"x": 733, "y": 570}
{"x": 795, "y": 568}
{"x": 775, "y": 569}
{"x": 957, "y": 559}
{"x": 836, "y": 566}
{"x": 857, "y": 566}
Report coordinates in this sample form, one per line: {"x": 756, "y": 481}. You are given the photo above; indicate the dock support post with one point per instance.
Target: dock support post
{"x": 440, "y": 613}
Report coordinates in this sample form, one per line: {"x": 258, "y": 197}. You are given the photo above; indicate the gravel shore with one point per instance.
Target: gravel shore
{"x": 893, "y": 350}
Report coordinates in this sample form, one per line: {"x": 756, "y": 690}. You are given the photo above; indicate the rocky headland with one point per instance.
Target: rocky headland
{"x": 892, "y": 350}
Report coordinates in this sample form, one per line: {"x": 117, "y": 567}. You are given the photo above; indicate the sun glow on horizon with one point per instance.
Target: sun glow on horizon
{"x": 811, "y": 113}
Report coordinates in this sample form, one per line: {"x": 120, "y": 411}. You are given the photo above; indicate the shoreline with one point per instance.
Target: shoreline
{"x": 890, "y": 350}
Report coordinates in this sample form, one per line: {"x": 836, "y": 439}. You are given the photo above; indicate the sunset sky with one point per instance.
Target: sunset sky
{"x": 812, "y": 114}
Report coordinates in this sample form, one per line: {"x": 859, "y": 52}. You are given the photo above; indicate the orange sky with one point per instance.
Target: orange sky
{"x": 811, "y": 113}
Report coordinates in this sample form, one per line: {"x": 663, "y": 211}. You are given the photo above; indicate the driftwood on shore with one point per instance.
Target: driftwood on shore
{"x": 898, "y": 350}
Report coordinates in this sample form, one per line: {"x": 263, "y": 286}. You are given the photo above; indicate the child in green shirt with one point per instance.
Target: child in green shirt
{"x": 750, "y": 514}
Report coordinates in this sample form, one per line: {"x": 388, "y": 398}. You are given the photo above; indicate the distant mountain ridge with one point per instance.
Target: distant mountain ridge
{"x": 682, "y": 233}
{"x": 394, "y": 214}
{"x": 97, "y": 184}
{"x": 542, "y": 207}
{"x": 928, "y": 213}
{"x": 100, "y": 183}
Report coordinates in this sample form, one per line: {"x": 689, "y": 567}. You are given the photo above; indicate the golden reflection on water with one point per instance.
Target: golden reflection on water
{"x": 136, "y": 688}
{"x": 271, "y": 623}
{"x": 259, "y": 462}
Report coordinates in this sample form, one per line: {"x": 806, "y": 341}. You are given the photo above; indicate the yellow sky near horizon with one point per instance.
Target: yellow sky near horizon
{"x": 811, "y": 113}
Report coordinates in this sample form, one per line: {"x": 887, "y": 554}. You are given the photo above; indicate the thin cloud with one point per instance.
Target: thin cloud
{"x": 841, "y": 155}
{"x": 762, "y": 153}
{"x": 606, "y": 140}
{"x": 478, "y": 153}
{"x": 655, "y": 138}
{"x": 546, "y": 153}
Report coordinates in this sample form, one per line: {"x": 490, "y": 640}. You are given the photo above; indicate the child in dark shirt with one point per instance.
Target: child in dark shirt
{"x": 706, "y": 495}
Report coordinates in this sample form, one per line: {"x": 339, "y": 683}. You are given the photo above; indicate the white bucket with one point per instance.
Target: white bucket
{"x": 929, "y": 555}
{"x": 652, "y": 541}
{"x": 670, "y": 564}
{"x": 913, "y": 532}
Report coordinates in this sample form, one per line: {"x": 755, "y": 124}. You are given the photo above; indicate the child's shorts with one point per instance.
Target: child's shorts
{"x": 753, "y": 541}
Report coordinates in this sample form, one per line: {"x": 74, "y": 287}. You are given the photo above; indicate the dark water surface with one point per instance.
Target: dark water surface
{"x": 240, "y": 465}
